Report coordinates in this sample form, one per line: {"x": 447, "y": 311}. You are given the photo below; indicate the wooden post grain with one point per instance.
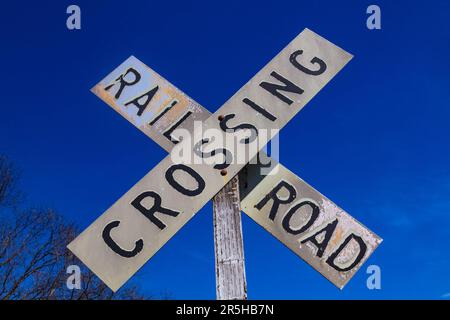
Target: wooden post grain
{"x": 231, "y": 283}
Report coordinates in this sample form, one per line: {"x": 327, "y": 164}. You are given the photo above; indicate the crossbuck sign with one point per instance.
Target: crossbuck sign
{"x": 134, "y": 228}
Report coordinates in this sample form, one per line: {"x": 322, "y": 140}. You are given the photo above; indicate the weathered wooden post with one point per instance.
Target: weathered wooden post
{"x": 231, "y": 283}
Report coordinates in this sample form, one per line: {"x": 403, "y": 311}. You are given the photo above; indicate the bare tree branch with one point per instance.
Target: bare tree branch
{"x": 33, "y": 253}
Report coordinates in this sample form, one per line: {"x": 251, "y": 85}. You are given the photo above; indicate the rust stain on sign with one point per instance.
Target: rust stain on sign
{"x": 151, "y": 103}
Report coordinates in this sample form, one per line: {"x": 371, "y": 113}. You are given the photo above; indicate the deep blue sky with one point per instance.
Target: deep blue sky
{"x": 377, "y": 138}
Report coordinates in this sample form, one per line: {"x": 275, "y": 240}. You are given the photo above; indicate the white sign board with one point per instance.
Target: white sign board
{"x": 119, "y": 242}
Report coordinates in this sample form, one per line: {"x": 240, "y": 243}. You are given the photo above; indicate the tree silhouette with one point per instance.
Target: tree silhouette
{"x": 33, "y": 254}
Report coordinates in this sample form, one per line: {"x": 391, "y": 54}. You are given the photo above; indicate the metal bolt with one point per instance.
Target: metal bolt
{"x": 221, "y": 117}
{"x": 223, "y": 172}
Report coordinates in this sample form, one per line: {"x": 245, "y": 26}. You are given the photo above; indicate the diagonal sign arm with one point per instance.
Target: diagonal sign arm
{"x": 146, "y": 231}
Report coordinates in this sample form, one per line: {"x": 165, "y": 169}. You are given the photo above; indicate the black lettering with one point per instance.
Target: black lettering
{"x": 170, "y": 106}
{"x": 141, "y": 106}
{"x": 228, "y": 156}
{"x": 287, "y": 218}
{"x": 156, "y": 207}
{"x": 315, "y": 60}
{"x": 106, "y": 234}
{"x": 259, "y": 109}
{"x": 329, "y": 229}
{"x": 171, "y": 180}
{"x": 273, "y": 195}
{"x": 362, "y": 252}
{"x": 123, "y": 82}
{"x": 168, "y": 132}
{"x": 253, "y": 131}
{"x": 286, "y": 86}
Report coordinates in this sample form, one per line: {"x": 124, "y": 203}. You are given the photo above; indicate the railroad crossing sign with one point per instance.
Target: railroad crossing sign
{"x": 130, "y": 232}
